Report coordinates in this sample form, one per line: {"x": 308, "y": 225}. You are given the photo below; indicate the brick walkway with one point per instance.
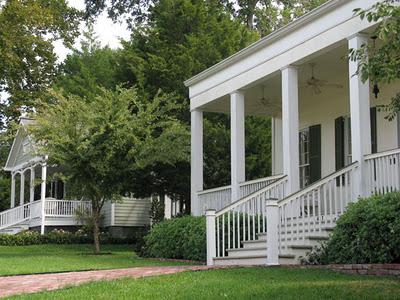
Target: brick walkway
{"x": 13, "y": 285}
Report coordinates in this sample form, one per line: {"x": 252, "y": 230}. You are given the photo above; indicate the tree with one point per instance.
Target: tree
{"x": 97, "y": 144}
{"x": 27, "y": 58}
{"x": 380, "y": 61}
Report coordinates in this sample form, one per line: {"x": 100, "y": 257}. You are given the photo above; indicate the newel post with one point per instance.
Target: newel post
{"x": 272, "y": 232}
{"x": 210, "y": 234}
{"x": 43, "y": 197}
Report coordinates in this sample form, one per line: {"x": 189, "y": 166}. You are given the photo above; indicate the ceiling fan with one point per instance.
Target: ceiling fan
{"x": 268, "y": 105}
{"x": 316, "y": 84}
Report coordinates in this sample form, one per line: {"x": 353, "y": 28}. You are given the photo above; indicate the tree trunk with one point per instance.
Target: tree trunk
{"x": 96, "y": 233}
{"x": 250, "y": 13}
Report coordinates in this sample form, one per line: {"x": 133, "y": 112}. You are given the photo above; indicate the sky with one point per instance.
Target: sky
{"x": 108, "y": 33}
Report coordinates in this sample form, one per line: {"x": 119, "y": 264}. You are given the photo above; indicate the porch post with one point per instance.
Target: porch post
{"x": 22, "y": 188}
{"x": 12, "y": 204}
{"x": 290, "y": 127}
{"x": 360, "y": 116}
{"x": 32, "y": 185}
{"x": 237, "y": 143}
{"x": 276, "y": 146}
{"x": 196, "y": 159}
{"x": 43, "y": 196}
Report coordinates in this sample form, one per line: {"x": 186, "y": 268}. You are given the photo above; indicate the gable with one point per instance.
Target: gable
{"x": 21, "y": 150}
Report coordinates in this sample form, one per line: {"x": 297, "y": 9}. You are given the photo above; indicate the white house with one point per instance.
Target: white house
{"x": 330, "y": 142}
{"x": 40, "y": 202}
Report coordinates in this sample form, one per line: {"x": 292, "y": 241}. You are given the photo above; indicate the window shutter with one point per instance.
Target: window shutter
{"x": 339, "y": 143}
{"x": 374, "y": 141}
{"x": 315, "y": 153}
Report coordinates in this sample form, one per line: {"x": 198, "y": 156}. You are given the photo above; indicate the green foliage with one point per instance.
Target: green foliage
{"x": 368, "y": 232}
{"x": 27, "y": 59}
{"x": 179, "y": 238}
{"x": 101, "y": 143}
{"x": 379, "y": 61}
{"x": 62, "y": 237}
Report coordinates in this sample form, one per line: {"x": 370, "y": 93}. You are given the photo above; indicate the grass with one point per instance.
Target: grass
{"x": 241, "y": 283}
{"x": 60, "y": 258}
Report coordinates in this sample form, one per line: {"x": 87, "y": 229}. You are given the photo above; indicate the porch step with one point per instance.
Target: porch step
{"x": 254, "y": 244}
{"x": 247, "y": 252}
{"x": 257, "y": 260}
{"x": 14, "y": 229}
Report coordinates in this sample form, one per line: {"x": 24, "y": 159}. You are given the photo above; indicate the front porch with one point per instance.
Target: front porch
{"x": 316, "y": 129}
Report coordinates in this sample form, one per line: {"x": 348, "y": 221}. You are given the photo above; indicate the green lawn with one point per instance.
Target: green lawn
{"x": 256, "y": 283}
{"x": 58, "y": 258}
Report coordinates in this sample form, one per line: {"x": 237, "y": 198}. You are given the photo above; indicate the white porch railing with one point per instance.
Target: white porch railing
{"x": 14, "y": 216}
{"x": 317, "y": 206}
{"x": 65, "y": 208}
{"x": 244, "y": 219}
{"x": 383, "y": 170}
{"x": 219, "y": 198}
{"x": 30, "y": 211}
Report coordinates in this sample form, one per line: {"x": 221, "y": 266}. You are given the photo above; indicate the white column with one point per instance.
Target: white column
{"x": 237, "y": 143}
{"x": 210, "y": 236}
{"x": 43, "y": 196}
{"x": 272, "y": 215}
{"x": 12, "y": 205}
{"x": 360, "y": 116}
{"x": 196, "y": 178}
{"x": 167, "y": 208}
{"x": 290, "y": 127}
{"x": 22, "y": 188}
{"x": 276, "y": 137}
{"x": 32, "y": 185}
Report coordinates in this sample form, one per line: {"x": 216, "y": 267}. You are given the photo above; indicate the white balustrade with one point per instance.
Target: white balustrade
{"x": 317, "y": 206}
{"x": 383, "y": 172}
{"x": 245, "y": 219}
{"x": 14, "y": 216}
{"x": 215, "y": 199}
{"x": 65, "y": 208}
{"x": 219, "y": 198}
{"x": 249, "y": 187}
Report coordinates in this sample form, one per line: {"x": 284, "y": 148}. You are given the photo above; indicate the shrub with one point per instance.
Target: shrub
{"x": 59, "y": 236}
{"x": 179, "y": 238}
{"x": 368, "y": 232}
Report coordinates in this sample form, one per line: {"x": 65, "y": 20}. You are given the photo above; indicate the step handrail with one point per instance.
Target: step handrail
{"x": 382, "y": 154}
{"x": 17, "y": 220}
{"x": 318, "y": 183}
{"x": 251, "y": 196}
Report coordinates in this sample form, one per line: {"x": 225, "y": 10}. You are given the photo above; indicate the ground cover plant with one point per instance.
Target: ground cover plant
{"x": 59, "y": 258}
{"x": 239, "y": 283}
{"x": 368, "y": 232}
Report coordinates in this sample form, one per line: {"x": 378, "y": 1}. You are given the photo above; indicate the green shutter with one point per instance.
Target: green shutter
{"x": 315, "y": 153}
{"x": 339, "y": 143}
{"x": 374, "y": 141}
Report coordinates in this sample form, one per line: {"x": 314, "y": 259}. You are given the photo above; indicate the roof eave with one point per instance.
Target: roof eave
{"x": 277, "y": 34}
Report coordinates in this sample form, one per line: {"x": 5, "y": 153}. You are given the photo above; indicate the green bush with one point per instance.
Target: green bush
{"x": 179, "y": 238}
{"x": 368, "y": 232}
{"x": 59, "y": 236}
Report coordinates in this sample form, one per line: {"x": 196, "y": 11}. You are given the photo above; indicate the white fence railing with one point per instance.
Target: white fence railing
{"x": 14, "y": 216}
{"x": 244, "y": 219}
{"x": 29, "y": 211}
{"x": 219, "y": 198}
{"x": 66, "y": 208}
{"x": 249, "y": 187}
{"x": 308, "y": 211}
{"x": 216, "y": 198}
{"x": 383, "y": 172}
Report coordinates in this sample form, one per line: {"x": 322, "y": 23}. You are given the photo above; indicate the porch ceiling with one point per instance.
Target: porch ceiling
{"x": 264, "y": 97}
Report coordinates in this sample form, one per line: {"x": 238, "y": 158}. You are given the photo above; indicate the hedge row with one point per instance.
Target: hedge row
{"x": 59, "y": 237}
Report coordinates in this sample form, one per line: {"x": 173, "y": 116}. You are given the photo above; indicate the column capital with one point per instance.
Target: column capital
{"x": 292, "y": 67}
{"x": 360, "y": 35}
{"x": 240, "y": 92}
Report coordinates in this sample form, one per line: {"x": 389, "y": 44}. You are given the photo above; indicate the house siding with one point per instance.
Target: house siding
{"x": 133, "y": 212}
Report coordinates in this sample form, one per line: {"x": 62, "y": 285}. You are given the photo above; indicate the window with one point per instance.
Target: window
{"x": 304, "y": 151}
